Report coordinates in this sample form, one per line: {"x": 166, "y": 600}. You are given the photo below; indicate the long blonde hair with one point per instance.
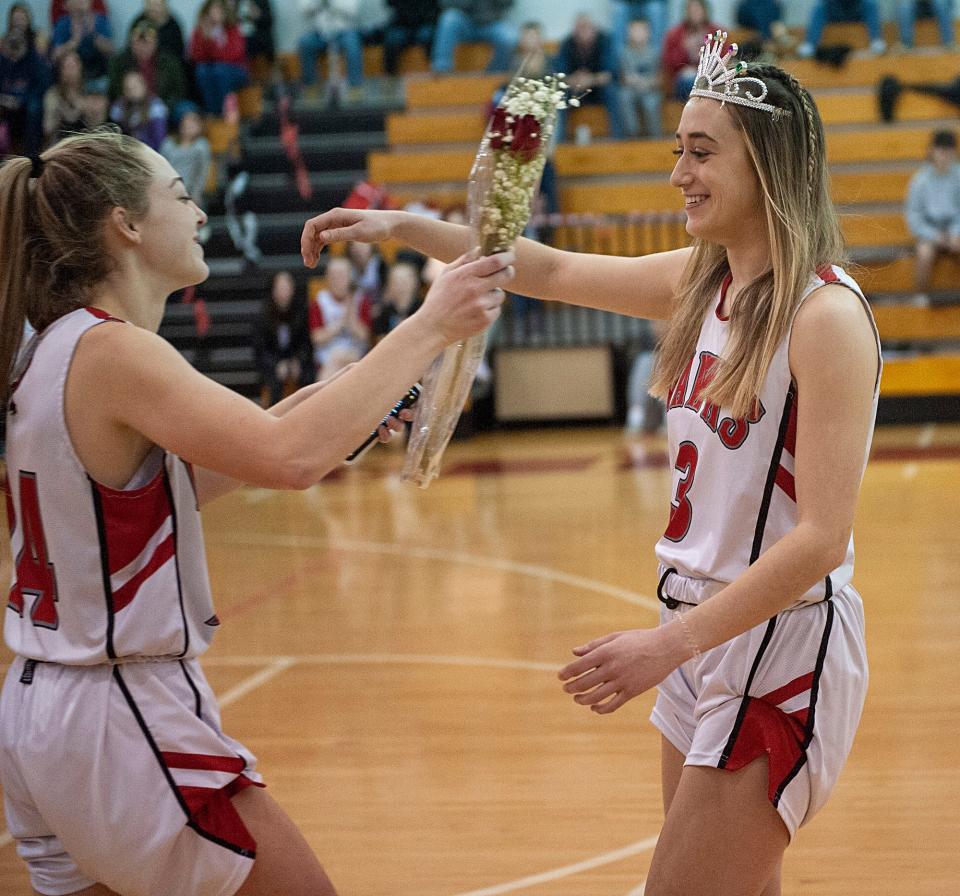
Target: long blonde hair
{"x": 789, "y": 156}
{"x": 52, "y": 250}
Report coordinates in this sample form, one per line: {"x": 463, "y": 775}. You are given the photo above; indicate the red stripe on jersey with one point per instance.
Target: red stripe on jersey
{"x": 827, "y": 274}
{"x": 126, "y": 593}
{"x": 132, "y": 518}
{"x": 204, "y": 762}
{"x": 723, "y": 294}
{"x": 100, "y": 313}
{"x": 766, "y": 729}
{"x": 790, "y": 442}
{"x": 790, "y": 690}
{"x": 787, "y": 483}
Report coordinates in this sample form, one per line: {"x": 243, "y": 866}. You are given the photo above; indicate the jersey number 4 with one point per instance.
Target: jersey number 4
{"x": 35, "y": 574}
{"x": 681, "y": 510}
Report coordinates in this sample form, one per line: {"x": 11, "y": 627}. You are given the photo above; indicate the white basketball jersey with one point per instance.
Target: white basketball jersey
{"x": 733, "y": 487}
{"x": 99, "y": 574}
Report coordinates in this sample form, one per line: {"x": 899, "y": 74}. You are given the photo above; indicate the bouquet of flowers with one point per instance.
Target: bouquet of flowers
{"x": 503, "y": 183}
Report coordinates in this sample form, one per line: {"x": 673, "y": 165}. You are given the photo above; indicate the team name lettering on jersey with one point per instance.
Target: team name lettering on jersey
{"x": 732, "y": 432}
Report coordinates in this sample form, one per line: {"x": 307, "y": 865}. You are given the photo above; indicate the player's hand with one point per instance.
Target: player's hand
{"x": 386, "y": 430}
{"x": 467, "y": 295}
{"x": 339, "y": 225}
{"x": 616, "y": 668}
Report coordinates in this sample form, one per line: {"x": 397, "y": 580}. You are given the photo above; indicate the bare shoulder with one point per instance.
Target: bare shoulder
{"x": 833, "y": 328}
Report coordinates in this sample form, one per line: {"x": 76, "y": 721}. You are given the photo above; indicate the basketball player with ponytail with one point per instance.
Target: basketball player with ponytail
{"x": 117, "y": 777}
{"x": 770, "y": 370}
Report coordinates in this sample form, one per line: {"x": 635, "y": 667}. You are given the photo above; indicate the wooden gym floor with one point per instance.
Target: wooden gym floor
{"x": 389, "y": 655}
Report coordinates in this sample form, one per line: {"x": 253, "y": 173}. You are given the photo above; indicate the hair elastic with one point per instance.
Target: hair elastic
{"x": 36, "y": 166}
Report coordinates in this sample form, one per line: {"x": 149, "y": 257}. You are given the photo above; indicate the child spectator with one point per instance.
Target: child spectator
{"x": 941, "y": 9}
{"x": 413, "y": 24}
{"x": 340, "y": 316}
{"x": 473, "y": 20}
{"x": 401, "y": 298}
{"x": 169, "y": 32}
{"x": 825, "y": 11}
{"x": 531, "y": 52}
{"x": 255, "y": 18}
{"x": 640, "y": 90}
{"x": 681, "y": 48}
{"x": 140, "y": 113}
{"x": 165, "y": 75}
{"x": 933, "y": 209}
{"x": 88, "y": 34}
{"x": 219, "y": 53}
{"x": 67, "y": 107}
{"x": 332, "y": 25}
{"x": 24, "y": 78}
{"x": 623, "y": 12}
{"x": 369, "y": 268}
{"x": 282, "y": 340}
{"x": 586, "y": 57}
{"x": 187, "y": 150}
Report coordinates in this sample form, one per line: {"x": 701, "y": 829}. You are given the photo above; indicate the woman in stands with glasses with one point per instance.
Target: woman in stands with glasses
{"x": 770, "y": 369}
{"x": 116, "y": 774}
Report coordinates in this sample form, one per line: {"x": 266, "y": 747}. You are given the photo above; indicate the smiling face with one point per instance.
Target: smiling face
{"x": 170, "y": 246}
{"x": 721, "y": 190}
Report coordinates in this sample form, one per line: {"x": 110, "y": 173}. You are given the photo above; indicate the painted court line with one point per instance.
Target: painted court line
{"x": 277, "y": 665}
{"x": 370, "y": 659}
{"x": 639, "y": 889}
{"x": 544, "y": 573}
{"x": 546, "y": 877}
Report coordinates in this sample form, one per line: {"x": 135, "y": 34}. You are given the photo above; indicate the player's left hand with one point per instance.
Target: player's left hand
{"x": 616, "y": 668}
{"x": 386, "y": 430}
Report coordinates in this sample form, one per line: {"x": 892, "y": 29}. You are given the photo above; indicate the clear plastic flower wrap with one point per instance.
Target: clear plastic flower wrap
{"x": 503, "y": 183}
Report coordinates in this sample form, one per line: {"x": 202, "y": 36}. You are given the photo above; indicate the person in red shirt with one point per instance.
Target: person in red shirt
{"x": 681, "y": 47}
{"x": 58, "y": 9}
{"x": 218, "y": 50}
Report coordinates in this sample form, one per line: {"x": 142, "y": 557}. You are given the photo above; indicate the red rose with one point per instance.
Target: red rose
{"x": 526, "y": 137}
{"x": 498, "y": 128}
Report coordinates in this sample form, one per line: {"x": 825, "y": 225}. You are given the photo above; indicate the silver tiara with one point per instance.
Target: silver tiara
{"x": 728, "y": 84}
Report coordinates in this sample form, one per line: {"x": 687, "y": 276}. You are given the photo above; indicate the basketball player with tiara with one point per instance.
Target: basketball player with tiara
{"x": 770, "y": 369}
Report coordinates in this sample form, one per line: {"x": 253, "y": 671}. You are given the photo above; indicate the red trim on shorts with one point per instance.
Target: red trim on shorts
{"x": 769, "y": 730}
{"x": 203, "y": 762}
{"x": 791, "y": 690}
{"x": 212, "y": 812}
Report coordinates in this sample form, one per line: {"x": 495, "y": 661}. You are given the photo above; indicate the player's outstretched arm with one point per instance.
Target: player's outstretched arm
{"x": 640, "y": 287}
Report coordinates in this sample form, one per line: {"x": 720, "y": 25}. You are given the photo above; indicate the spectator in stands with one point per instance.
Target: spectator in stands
{"x": 760, "y": 16}
{"x": 943, "y": 11}
{"x": 67, "y": 107}
{"x": 21, "y": 17}
{"x": 369, "y": 268}
{"x": 165, "y": 75}
{"x": 413, "y": 24}
{"x": 169, "y": 32}
{"x": 681, "y": 48}
{"x": 282, "y": 339}
{"x": 219, "y": 53}
{"x": 140, "y": 113}
{"x": 640, "y": 90}
{"x": 401, "y": 298}
{"x": 340, "y": 316}
{"x": 473, "y": 20}
{"x": 332, "y": 25}
{"x": 586, "y": 57}
{"x": 24, "y": 78}
{"x": 531, "y": 52}
{"x": 825, "y": 11}
{"x": 60, "y": 8}
{"x": 88, "y": 34}
{"x": 255, "y": 18}
{"x": 187, "y": 150}
{"x": 933, "y": 209}
{"x": 623, "y": 12}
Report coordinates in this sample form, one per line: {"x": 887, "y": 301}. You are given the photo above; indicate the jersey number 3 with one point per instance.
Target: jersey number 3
{"x": 35, "y": 573}
{"x": 681, "y": 510}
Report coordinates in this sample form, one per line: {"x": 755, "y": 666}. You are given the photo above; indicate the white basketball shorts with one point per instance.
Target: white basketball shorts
{"x": 792, "y": 688}
{"x": 121, "y": 775}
